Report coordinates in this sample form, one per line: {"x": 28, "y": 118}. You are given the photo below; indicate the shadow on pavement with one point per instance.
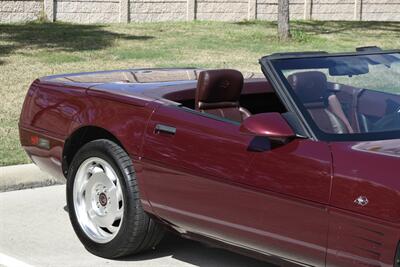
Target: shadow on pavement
{"x": 196, "y": 253}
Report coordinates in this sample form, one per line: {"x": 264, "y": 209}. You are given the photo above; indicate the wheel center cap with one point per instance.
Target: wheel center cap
{"x": 103, "y": 199}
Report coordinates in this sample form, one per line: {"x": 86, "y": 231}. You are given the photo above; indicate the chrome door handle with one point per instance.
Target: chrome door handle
{"x": 160, "y": 128}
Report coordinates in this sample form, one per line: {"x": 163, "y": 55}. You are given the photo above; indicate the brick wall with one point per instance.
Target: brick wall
{"x": 113, "y": 11}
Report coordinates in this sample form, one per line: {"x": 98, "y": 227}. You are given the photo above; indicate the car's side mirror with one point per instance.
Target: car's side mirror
{"x": 272, "y": 125}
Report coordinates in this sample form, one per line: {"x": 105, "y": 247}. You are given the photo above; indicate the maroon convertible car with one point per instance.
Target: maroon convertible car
{"x": 299, "y": 166}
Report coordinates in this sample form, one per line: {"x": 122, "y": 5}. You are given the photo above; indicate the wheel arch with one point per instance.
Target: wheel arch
{"x": 80, "y": 137}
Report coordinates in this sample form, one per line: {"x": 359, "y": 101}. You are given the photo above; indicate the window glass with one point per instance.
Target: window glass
{"x": 347, "y": 95}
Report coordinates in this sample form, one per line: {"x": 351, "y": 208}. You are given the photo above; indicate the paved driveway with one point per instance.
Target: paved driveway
{"x": 35, "y": 231}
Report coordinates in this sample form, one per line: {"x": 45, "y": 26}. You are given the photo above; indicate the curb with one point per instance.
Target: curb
{"x": 25, "y": 176}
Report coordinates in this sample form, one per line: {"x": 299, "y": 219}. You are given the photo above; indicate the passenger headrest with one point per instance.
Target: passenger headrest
{"x": 218, "y": 89}
{"x": 310, "y": 86}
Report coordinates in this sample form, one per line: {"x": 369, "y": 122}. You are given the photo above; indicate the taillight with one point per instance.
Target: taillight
{"x": 40, "y": 142}
{"x": 34, "y": 140}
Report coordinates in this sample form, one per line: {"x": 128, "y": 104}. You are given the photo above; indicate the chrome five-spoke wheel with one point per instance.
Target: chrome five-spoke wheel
{"x": 98, "y": 200}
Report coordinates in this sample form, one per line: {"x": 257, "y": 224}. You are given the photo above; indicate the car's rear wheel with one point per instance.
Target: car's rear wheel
{"x": 104, "y": 204}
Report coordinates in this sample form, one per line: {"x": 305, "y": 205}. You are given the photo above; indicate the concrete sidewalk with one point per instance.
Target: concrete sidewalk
{"x": 24, "y": 176}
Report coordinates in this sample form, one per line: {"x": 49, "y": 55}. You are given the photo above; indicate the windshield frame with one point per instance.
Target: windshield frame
{"x": 289, "y": 98}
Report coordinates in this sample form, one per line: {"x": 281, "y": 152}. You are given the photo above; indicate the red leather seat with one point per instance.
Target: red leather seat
{"x": 312, "y": 89}
{"x": 218, "y": 93}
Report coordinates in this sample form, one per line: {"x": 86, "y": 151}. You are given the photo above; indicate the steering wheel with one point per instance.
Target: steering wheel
{"x": 388, "y": 122}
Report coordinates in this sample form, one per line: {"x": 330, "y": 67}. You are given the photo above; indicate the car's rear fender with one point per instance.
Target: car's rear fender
{"x": 47, "y": 115}
{"x": 57, "y": 116}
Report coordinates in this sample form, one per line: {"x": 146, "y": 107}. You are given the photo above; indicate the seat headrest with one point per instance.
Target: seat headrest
{"x": 310, "y": 86}
{"x": 219, "y": 88}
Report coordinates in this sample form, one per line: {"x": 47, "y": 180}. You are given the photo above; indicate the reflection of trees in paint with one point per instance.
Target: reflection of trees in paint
{"x": 385, "y": 147}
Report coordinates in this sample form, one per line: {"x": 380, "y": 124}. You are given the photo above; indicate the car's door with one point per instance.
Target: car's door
{"x": 200, "y": 175}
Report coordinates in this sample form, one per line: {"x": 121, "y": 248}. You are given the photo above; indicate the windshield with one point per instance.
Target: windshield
{"x": 346, "y": 97}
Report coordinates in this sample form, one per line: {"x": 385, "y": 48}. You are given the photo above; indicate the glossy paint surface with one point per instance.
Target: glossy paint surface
{"x": 356, "y": 240}
{"x": 294, "y": 201}
{"x": 56, "y": 112}
{"x": 368, "y": 169}
{"x": 380, "y": 183}
{"x": 267, "y": 124}
{"x": 197, "y": 183}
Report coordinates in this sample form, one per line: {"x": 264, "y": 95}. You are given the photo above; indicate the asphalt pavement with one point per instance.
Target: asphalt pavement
{"x": 35, "y": 231}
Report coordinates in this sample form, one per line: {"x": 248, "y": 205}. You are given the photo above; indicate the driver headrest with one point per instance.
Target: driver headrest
{"x": 310, "y": 86}
{"x": 219, "y": 88}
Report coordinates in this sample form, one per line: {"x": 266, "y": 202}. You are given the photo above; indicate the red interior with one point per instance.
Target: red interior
{"x": 257, "y": 97}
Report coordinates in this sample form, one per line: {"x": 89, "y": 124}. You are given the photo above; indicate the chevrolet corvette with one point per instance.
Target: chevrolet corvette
{"x": 298, "y": 165}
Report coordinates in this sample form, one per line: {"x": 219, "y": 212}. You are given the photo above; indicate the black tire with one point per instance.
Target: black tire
{"x": 138, "y": 232}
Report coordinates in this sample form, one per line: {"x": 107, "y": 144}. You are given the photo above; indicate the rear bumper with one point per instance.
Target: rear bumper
{"x": 47, "y": 158}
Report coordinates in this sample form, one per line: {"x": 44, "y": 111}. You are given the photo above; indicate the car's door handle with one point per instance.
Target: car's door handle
{"x": 160, "y": 128}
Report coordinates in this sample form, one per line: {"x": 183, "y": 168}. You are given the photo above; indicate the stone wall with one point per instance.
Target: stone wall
{"x": 377, "y": 9}
{"x": 333, "y": 9}
{"x": 20, "y": 11}
{"x": 225, "y": 10}
{"x": 113, "y": 11}
{"x": 87, "y": 11}
{"x": 157, "y": 10}
{"x": 268, "y": 9}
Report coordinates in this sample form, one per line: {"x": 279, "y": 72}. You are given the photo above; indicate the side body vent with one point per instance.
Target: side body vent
{"x": 360, "y": 241}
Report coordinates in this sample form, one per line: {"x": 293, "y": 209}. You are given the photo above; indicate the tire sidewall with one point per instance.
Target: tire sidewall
{"x": 101, "y": 149}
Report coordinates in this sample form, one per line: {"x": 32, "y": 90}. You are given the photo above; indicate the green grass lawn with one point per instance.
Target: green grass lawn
{"x": 28, "y": 51}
